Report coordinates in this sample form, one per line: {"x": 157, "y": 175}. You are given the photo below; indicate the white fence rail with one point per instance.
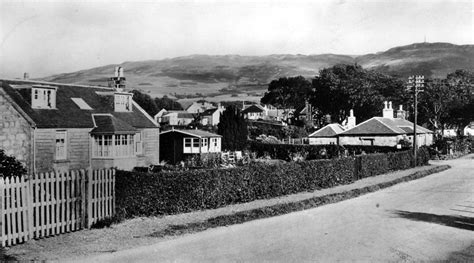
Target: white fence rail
{"x": 53, "y": 203}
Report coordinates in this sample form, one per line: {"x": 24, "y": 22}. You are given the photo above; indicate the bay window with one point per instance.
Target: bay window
{"x": 117, "y": 145}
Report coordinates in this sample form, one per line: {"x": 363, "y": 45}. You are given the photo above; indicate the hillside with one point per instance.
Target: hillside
{"x": 232, "y": 77}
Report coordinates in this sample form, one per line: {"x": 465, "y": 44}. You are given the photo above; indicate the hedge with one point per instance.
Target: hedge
{"x": 285, "y": 151}
{"x": 171, "y": 192}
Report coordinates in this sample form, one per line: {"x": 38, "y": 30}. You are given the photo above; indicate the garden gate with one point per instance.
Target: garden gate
{"x": 53, "y": 203}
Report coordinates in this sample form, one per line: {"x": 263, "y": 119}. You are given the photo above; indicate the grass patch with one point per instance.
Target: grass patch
{"x": 286, "y": 208}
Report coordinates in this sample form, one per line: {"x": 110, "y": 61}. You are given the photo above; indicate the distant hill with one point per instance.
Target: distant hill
{"x": 232, "y": 77}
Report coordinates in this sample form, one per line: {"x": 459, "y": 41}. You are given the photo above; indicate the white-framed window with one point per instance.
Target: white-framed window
{"x": 191, "y": 145}
{"x": 123, "y": 102}
{"x": 204, "y": 142}
{"x": 118, "y": 145}
{"x": 61, "y": 145}
{"x": 43, "y": 97}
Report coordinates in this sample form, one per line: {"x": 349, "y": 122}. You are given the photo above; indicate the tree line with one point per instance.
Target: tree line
{"x": 444, "y": 103}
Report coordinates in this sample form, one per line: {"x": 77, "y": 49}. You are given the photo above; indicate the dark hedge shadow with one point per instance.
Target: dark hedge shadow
{"x": 461, "y": 222}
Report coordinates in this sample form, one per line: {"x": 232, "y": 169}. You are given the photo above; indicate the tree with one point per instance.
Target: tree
{"x": 167, "y": 104}
{"x": 10, "y": 166}
{"x": 448, "y": 103}
{"x": 233, "y": 128}
{"x": 146, "y": 102}
{"x": 344, "y": 87}
{"x": 287, "y": 92}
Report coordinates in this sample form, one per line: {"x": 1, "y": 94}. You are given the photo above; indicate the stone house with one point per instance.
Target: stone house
{"x": 385, "y": 131}
{"x": 53, "y": 126}
{"x": 327, "y": 134}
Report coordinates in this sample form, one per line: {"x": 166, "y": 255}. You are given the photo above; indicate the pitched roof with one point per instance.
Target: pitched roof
{"x": 67, "y": 113}
{"x": 196, "y": 133}
{"x": 209, "y": 112}
{"x": 108, "y": 124}
{"x": 384, "y": 126}
{"x": 330, "y": 130}
{"x": 253, "y": 108}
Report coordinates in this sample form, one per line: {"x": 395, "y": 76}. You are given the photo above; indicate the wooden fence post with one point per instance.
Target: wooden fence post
{"x": 83, "y": 199}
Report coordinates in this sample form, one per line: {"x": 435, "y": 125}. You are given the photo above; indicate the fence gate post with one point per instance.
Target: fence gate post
{"x": 82, "y": 223}
{"x": 89, "y": 176}
{"x": 29, "y": 200}
{"x": 2, "y": 199}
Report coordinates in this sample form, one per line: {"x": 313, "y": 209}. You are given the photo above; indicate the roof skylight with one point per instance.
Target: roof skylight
{"x": 81, "y": 104}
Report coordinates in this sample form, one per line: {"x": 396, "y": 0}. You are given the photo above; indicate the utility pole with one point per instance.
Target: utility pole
{"x": 415, "y": 82}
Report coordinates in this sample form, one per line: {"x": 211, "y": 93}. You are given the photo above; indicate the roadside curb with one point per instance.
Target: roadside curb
{"x": 285, "y": 208}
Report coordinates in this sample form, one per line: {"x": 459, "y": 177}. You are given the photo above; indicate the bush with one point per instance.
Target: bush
{"x": 286, "y": 151}
{"x": 171, "y": 192}
{"x": 10, "y": 166}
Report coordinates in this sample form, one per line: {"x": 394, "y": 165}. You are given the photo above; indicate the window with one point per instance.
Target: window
{"x": 44, "y": 97}
{"x": 195, "y": 142}
{"x": 81, "y": 104}
{"x": 187, "y": 142}
{"x": 123, "y": 102}
{"x": 204, "y": 142}
{"x": 191, "y": 145}
{"x": 61, "y": 145}
{"x": 118, "y": 145}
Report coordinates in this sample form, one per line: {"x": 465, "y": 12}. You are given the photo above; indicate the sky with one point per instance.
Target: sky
{"x": 51, "y": 37}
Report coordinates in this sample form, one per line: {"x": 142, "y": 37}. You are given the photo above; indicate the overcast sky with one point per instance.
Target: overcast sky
{"x": 57, "y": 37}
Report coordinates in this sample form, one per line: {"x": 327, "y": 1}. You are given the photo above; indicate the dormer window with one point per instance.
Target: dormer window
{"x": 123, "y": 101}
{"x": 43, "y": 97}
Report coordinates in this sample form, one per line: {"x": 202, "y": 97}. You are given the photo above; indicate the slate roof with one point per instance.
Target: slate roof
{"x": 253, "y": 108}
{"x": 208, "y": 112}
{"x": 67, "y": 113}
{"x": 384, "y": 126}
{"x": 330, "y": 130}
{"x": 195, "y": 133}
{"x": 108, "y": 124}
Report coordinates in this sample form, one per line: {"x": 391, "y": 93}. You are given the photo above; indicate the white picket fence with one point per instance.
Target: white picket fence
{"x": 53, "y": 203}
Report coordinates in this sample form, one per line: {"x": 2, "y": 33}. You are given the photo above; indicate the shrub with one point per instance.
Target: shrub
{"x": 286, "y": 151}
{"x": 10, "y": 166}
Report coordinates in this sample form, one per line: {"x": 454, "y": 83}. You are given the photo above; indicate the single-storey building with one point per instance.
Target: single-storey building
{"x": 385, "y": 131}
{"x": 56, "y": 127}
{"x": 177, "y": 145}
{"x": 254, "y": 112}
{"x": 327, "y": 134}
{"x": 175, "y": 118}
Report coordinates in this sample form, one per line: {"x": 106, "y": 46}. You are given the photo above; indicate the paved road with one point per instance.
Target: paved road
{"x": 426, "y": 219}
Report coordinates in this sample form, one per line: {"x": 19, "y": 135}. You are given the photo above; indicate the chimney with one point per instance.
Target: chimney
{"x": 116, "y": 72}
{"x": 387, "y": 110}
{"x": 120, "y": 72}
{"x": 26, "y": 76}
{"x": 401, "y": 114}
{"x": 351, "y": 120}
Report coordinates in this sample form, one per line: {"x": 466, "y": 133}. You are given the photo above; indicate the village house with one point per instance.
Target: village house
{"x": 177, "y": 145}
{"x": 327, "y": 134}
{"x": 174, "y": 117}
{"x": 56, "y": 127}
{"x": 211, "y": 116}
{"x": 200, "y": 106}
{"x": 253, "y": 112}
{"x": 385, "y": 131}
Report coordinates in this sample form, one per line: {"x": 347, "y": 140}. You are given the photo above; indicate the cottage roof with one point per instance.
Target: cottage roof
{"x": 384, "y": 126}
{"x": 108, "y": 124}
{"x": 195, "y": 133}
{"x": 69, "y": 114}
{"x": 330, "y": 130}
{"x": 209, "y": 112}
{"x": 253, "y": 108}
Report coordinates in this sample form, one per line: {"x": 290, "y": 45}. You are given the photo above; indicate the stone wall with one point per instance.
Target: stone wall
{"x": 15, "y": 132}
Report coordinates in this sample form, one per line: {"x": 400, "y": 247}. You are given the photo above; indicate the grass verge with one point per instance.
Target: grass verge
{"x": 286, "y": 208}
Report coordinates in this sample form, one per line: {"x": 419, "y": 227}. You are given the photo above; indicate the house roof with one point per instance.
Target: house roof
{"x": 209, "y": 112}
{"x": 330, "y": 130}
{"x": 253, "y": 108}
{"x": 384, "y": 126}
{"x": 67, "y": 113}
{"x": 108, "y": 124}
{"x": 195, "y": 133}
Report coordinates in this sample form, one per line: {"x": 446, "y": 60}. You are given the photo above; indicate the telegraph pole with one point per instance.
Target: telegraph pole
{"x": 415, "y": 82}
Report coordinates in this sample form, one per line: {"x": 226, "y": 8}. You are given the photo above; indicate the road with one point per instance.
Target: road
{"x": 421, "y": 220}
